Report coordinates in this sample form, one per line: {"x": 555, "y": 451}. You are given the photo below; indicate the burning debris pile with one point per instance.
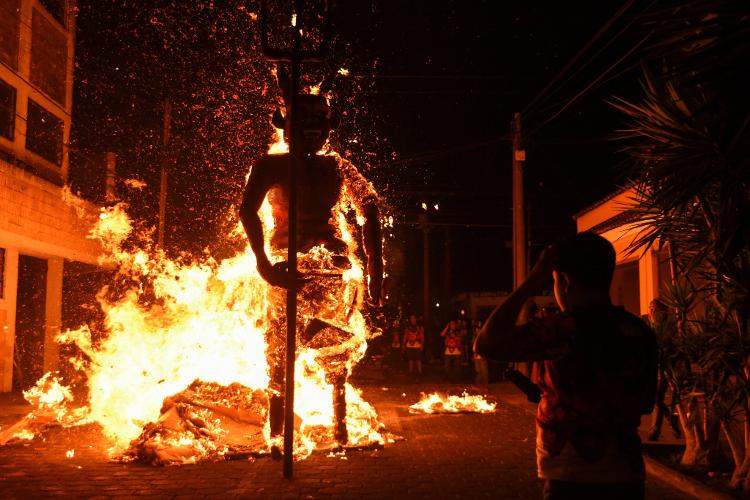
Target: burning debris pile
{"x": 205, "y": 421}
{"x": 182, "y": 375}
{"x": 441, "y": 403}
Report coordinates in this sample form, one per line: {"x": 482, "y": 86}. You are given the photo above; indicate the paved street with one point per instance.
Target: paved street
{"x": 441, "y": 456}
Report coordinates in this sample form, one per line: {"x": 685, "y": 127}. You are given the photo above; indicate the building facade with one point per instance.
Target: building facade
{"x": 42, "y": 228}
{"x": 639, "y": 277}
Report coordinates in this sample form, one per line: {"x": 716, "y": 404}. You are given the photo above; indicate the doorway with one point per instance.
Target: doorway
{"x": 625, "y": 290}
{"x": 31, "y": 302}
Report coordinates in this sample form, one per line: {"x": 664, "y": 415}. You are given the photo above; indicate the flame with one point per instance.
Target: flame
{"x": 177, "y": 322}
{"x": 440, "y": 403}
{"x": 279, "y": 146}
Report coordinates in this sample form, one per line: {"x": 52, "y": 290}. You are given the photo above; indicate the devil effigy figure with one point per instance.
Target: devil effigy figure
{"x": 324, "y": 180}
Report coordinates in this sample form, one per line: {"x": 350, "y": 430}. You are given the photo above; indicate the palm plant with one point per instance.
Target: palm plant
{"x": 689, "y": 139}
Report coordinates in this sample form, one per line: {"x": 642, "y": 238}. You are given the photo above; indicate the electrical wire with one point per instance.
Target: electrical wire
{"x": 429, "y": 155}
{"x": 542, "y": 94}
{"x": 588, "y": 87}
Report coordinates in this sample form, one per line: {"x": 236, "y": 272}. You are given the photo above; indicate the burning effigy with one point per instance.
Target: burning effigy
{"x": 445, "y": 403}
{"x": 183, "y": 376}
{"x": 187, "y": 369}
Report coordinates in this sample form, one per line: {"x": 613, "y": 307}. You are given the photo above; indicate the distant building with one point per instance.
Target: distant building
{"x": 479, "y": 305}
{"x": 639, "y": 278}
{"x": 41, "y": 236}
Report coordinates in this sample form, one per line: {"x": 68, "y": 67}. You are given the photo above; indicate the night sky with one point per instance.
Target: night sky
{"x": 427, "y": 106}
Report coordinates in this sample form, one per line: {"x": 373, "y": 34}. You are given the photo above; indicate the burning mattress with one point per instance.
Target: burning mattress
{"x": 206, "y": 421}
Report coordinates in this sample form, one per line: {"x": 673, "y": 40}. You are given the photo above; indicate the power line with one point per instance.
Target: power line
{"x": 596, "y": 54}
{"x": 462, "y": 91}
{"x": 560, "y": 102}
{"x": 539, "y": 97}
{"x": 429, "y": 77}
{"x": 590, "y": 85}
{"x": 429, "y": 155}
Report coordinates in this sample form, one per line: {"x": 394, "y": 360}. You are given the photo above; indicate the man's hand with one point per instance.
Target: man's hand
{"x": 541, "y": 273}
{"x": 278, "y": 275}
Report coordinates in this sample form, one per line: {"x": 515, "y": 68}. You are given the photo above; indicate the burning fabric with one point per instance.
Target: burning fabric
{"x": 206, "y": 421}
{"x": 52, "y": 407}
{"x": 440, "y": 403}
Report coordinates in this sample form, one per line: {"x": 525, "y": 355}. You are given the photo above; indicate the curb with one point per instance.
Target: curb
{"x": 681, "y": 482}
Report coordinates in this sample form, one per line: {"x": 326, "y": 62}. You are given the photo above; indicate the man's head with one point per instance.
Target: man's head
{"x": 583, "y": 270}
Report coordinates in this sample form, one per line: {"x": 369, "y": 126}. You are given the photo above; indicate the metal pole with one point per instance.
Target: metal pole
{"x": 295, "y": 57}
{"x": 426, "y": 316}
{"x": 519, "y": 221}
{"x": 164, "y": 165}
{"x": 291, "y": 293}
{"x": 448, "y": 281}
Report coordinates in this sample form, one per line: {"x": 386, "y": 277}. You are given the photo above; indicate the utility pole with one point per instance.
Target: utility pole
{"x": 426, "y": 317}
{"x": 519, "y": 220}
{"x": 448, "y": 282}
{"x": 164, "y": 167}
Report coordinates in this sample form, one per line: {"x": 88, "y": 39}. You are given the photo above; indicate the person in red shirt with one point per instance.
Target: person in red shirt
{"x": 414, "y": 344}
{"x": 452, "y": 351}
{"x": 597, "y": 372}
{"x": 397, "y": 348}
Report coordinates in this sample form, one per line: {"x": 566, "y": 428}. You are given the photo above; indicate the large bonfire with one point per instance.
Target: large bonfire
{"x": 181, "y": 375}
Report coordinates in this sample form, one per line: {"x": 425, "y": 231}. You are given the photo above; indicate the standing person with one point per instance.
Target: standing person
{"x": 463, "y": 332}
{"x": 664, "y": 327}
{"x": 481, "y": 371}
{"x": 598, "y": 374}
{"x": 414, "y": 344}
{"x": 397, "y": 347}
{"x": 452, "y": 350}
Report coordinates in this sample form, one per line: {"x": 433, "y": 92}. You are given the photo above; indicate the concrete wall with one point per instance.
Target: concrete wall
{"x": 36, "y": 220}
{"x": 37, "y": 61}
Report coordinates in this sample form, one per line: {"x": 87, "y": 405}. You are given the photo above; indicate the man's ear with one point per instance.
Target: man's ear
{"x": 278, "y": 119}
{"x": 562, "y": 280}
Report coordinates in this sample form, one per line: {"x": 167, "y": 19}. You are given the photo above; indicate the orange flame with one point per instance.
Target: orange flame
{"x": 440, "y": 403}
{"x": 180, "y": 322}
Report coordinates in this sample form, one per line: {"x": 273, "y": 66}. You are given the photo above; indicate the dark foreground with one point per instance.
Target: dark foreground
{"x": 441, "y": 456}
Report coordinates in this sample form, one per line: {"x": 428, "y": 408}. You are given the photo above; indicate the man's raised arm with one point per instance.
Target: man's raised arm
{"x": 497, "y": 338}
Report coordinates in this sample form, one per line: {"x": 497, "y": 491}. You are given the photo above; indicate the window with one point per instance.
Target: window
{"x": 10, "y": 26}
{"x": 44, "y": 133}
{"x": 49, "y": 51}
{"x": 7, "y": 110}
{"x": 56, "y": 8}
